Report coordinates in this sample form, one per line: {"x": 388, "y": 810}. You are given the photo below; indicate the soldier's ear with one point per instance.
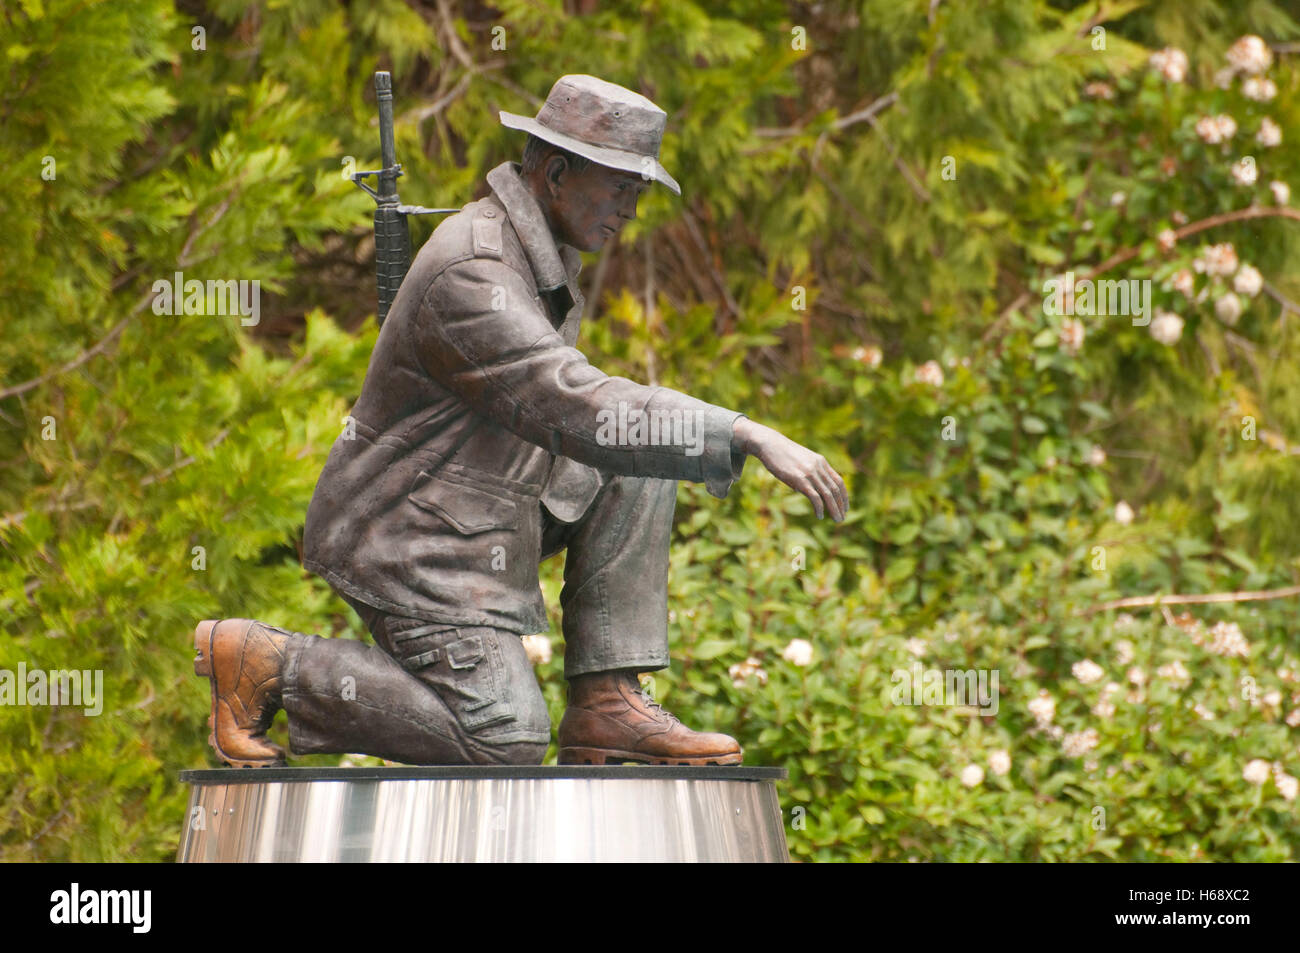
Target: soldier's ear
{"x": 555, "y": 170}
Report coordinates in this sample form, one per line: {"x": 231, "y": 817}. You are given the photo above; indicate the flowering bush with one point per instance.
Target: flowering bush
{"x": 912, "y": 177}
{"x": 993, "y": 541}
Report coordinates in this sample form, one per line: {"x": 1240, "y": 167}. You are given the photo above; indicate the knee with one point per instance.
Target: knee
{"x": 521, "y": 753}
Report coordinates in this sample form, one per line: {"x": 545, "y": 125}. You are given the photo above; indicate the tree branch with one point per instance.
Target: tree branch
{"x": 865, "y": 114}
{"x": 81, "y": 358}
{"x": 1224, "y": 218}
{"x": 1209, "y": 598}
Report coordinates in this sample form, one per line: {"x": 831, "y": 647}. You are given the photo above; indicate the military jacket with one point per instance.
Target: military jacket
{"x": 477, "y": 411}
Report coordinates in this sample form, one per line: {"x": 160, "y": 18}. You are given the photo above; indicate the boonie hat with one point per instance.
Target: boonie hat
{"x": 600, "y": 121}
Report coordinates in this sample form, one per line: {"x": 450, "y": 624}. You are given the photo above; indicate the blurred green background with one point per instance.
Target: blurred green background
{"x": 874, "y": 194}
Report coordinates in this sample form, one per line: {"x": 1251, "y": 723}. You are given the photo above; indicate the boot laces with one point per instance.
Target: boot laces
{"x": 655, "y": 706}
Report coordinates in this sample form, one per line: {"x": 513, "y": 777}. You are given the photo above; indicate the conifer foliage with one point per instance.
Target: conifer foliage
{"x": 877, "y": 198}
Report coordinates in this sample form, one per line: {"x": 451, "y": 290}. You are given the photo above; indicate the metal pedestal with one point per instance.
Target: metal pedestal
{"x": 584, "y": 814}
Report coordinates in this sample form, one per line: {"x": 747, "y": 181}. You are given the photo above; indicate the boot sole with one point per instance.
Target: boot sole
{"x": 598, "y": 756}
{"x": 203, "y": 633}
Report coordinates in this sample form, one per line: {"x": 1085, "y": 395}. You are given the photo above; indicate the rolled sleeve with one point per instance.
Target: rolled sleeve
{"x": 723, "y": 464}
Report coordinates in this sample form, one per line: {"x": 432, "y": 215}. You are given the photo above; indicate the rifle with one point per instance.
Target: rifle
{"x": 392, "y": 234}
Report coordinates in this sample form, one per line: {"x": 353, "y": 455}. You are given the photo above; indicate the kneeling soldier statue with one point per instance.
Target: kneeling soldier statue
{"x": 484, "y": 443}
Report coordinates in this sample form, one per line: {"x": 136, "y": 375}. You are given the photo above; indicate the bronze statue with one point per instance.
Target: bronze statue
{"x": 483, "y": 443}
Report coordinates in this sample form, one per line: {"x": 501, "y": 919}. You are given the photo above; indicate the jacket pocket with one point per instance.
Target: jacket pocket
{"x": 467, "y": 509}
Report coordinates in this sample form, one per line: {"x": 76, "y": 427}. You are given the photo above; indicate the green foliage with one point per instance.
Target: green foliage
{"x": 157, "y": 467}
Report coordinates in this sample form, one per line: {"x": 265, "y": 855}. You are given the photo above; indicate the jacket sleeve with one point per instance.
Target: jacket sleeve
{"x": 482, "y": 335}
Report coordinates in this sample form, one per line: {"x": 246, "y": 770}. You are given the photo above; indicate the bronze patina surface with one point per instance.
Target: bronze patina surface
{"x": 482, "y": 443}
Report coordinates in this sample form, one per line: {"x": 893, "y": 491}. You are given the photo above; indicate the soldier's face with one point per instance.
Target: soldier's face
{"x": 592, "y": 206}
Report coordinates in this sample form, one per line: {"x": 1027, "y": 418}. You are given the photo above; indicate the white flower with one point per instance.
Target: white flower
{"x": 1175, "y": 672}
{"x": 1244, "y": 171}
{"x": 1217, "y": 260}
{"x": 538, "y": 648}
{"x": 1080, "y": 743}
{"x": 1000, "y": 762}
{"x": 798, "y": 652}
{"x": 1167, "y": 239}
{"x": 1228, "y": 308}
{"x": 1225, "y": 639}
{"x": 1088, "y": 671}
{"x": 1259, "y": 89}
{"x": 1248, "y": 281}
{"x": 1184, "y": 281}
{"x": 1293, "y": 717}
{"x": 1207, "y": 127}
{"x": 1205, "y": 713}
{"x": 1250, "y": 55}
{"x": 1043, "y": 708}
{"x": 1171, "y": 63}
{"x": 1071, "y": 335}
{"x": 972, "y": 775}
{"x": 1105, "y": 707}
{"x": 1099, "y": 90}
{"x": 1281, "y": 192}
{"x": 1096, "y": 456}
{"x": 1256, "y": 771}
{"x": 1166, "y": 327}
{"x": 1272, "y": 699}
{"x": 1123, "y": 651}
{"x": 1270, "y": 133}
{"x": 741, "y": 672}
{"x": 1223, "y": 77}
{"x": 1137, "y": 676}
{"x": 1287, "y": 786}
{"x": 870, "y": 355}
{"x": 1123, "y": 513}
{"x": 930, "y": 373}
{"x": 1118, "y": 198}
{"x": 916, "y": 647}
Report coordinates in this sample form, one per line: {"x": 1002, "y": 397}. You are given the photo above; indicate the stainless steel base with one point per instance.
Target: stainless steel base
{"x": 585, "y": 814}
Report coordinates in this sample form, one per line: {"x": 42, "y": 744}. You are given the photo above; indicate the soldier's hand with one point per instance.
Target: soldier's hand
{"x": 796, "y": 466}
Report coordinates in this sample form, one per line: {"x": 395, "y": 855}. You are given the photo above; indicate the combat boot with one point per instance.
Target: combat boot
{"x": 611, "y": 720}
{"x": 244, "y": 660}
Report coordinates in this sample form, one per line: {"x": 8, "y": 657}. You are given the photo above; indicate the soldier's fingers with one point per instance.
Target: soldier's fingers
{"x": 837, "y": 487}
{"x": 808, "y": 489}
{"x": 836, "y": 507}
{"x": 826, "y": 487}
{"x": 842, "y": 491}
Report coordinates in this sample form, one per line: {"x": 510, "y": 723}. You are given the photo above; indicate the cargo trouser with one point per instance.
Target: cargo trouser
{"x": 432, "y": 693}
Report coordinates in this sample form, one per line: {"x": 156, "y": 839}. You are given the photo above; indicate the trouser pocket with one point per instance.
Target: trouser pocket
{"x": 463, "y": 665}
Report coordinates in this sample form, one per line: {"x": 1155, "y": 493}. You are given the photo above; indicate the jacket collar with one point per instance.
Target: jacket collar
{"x": 553, "y": 267}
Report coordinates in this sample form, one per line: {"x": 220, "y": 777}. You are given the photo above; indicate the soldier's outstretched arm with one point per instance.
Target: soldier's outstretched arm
{"x": 482, "y": 335}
